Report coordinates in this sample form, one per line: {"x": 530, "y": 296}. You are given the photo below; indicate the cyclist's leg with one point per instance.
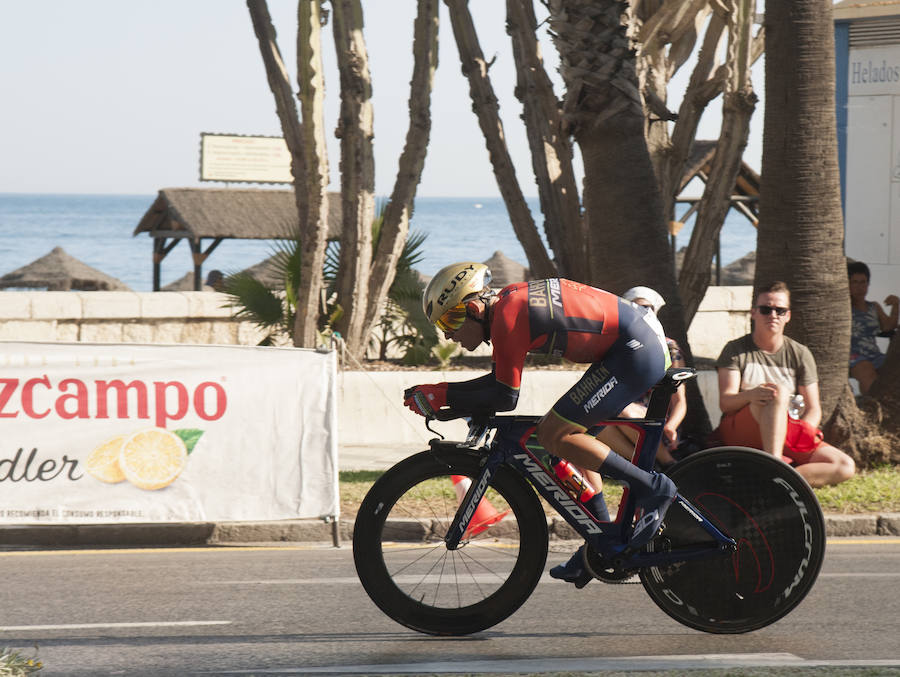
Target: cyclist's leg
{"x": 634, "y": 363}
{"x": 631, "y": 366}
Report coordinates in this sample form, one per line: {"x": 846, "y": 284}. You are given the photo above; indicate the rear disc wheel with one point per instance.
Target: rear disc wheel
{"x": 774, "y": 516}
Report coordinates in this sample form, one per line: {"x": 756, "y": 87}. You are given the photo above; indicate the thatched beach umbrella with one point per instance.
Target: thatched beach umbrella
{"x": 740, "y": 271}
{"x": 58, "y": 271}
{"x": 505, "y": 271}
{"x": 266, "y": 271}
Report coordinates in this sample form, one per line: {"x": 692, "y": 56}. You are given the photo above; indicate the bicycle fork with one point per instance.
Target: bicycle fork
{"x": 459, "y": 527}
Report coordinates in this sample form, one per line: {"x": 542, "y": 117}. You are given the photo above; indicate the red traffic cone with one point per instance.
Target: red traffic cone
{"x": 485, "y": 514}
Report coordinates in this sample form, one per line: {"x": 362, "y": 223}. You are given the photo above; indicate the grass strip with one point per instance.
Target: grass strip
{"x": 869, "y": 491}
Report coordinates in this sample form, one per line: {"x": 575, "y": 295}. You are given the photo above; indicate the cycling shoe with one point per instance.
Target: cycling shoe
{"x": 653, "y": 507}
{"x": 573, "y": 571}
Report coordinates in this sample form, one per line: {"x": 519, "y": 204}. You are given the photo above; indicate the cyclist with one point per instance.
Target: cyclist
{"x": 623, "y": 344}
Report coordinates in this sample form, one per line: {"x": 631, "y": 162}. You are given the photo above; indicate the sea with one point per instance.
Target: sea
{"x": 99, "y": 231}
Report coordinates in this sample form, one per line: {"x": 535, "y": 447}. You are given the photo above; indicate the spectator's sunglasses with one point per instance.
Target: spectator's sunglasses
{"x": 767, "y": 310}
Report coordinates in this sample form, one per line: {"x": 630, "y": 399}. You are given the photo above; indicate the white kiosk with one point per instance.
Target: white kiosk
{"x": 867, "y": 56}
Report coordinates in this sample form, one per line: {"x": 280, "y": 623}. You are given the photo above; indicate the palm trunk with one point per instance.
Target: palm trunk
{"x": 667, "y": 35}
{"x": 396, "y": 217}
{"x": 623, "y": 207}
{"x": 306, "y": 145}
{"x": 739, "y": 103}
{"x": 484, "y": 103}
{"x": 551, "y": 151}
{"x": 357, "y": 172}
{"x": 800, "y": 238}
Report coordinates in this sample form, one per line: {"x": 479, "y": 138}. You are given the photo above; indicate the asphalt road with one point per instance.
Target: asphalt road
{"x": 301, "y": 610}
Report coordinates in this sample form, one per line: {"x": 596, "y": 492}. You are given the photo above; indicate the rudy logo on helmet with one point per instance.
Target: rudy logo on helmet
{"x": 444, "y": 299}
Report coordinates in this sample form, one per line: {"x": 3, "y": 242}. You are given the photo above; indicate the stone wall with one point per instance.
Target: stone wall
{"x": 122, "y": 317}
{"x": 204, "y": 317}
{"x": 724, "y": 314}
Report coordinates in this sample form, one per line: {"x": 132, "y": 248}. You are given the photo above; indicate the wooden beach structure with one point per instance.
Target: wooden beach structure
{"x": 744, "y": 198}
{"x": 204, "y": 217}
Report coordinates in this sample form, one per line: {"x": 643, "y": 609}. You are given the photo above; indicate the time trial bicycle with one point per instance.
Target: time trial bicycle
{"x": 739, "y": 548}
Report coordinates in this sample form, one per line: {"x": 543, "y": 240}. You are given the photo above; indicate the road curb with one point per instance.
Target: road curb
{"x": 312, "y": 531}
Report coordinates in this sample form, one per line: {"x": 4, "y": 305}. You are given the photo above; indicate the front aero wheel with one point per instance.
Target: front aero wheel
{"x": 772, "y": 513}
{"x": 405, "y": 567}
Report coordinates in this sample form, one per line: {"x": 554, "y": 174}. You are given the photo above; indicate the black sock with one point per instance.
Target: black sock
{"x": 621, "y": 469}
{"x": 597, "y": 506}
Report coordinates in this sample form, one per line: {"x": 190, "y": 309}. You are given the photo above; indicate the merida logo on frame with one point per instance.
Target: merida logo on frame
{"x": 73, "y": 398}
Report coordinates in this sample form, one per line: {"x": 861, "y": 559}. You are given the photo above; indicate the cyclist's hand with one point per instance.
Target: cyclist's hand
{"x": 426, "y": 399}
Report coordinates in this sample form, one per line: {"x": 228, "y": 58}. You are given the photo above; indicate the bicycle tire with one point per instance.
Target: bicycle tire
{"x": 773, "y": 514}
{"x": 405, "y": 567}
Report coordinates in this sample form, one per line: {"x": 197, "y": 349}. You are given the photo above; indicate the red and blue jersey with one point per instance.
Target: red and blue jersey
{"x": 556, "y": 317}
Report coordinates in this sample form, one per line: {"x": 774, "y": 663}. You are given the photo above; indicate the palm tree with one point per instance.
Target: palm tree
{"x": 273, "y": 307}
{"x": 801, "y": 230}
{"x": 603, "y": 110}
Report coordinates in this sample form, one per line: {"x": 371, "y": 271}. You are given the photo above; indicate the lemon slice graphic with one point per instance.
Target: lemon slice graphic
{"x": 152, "y": 458}
{"x": 103, "y": 462}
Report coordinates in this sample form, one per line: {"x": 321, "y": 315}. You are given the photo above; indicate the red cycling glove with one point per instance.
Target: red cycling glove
{"x": 426, "y": 399}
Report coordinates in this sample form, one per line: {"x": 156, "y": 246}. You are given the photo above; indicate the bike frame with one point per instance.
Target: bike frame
{"x": 515, "y": 444}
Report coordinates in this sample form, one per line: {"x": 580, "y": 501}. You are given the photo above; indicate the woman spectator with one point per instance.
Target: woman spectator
{"x": 869, "y": 321}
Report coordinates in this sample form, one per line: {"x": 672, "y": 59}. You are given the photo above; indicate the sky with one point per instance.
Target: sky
{"x": 110, "y": 97}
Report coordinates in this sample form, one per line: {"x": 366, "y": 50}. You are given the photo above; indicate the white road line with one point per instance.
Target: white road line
{"x": 353, "y": 580}
{"x": 887, "y": 574}
{"x": 93, "y": 626}
{"x": 539, "y": 665}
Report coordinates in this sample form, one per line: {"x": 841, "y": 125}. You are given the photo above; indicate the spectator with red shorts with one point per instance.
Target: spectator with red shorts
{"x": 758, "y": 375}
{"x": 623, "y": 345}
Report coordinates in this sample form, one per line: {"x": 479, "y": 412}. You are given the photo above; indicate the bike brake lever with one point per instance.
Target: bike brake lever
{"x": 428, "y": 420}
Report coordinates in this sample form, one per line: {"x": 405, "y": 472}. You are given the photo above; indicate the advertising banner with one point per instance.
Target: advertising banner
{"x": 111, "y": 433}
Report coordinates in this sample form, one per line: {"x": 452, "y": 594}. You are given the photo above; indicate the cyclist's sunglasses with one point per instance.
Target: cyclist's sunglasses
{"x": 453, "y": 319}
{"x": 767, "y": 310}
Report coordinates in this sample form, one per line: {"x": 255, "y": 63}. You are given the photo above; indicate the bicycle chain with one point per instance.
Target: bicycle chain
{"x": 631, "y": 580}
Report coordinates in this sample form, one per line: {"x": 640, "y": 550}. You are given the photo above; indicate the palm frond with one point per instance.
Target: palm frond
{"x": 254, "y": 301}
{"x": 413, "y": 250}
{"x": 331, "y": 265}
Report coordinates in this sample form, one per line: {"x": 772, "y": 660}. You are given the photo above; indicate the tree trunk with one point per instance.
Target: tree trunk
{"x": 667, "y": 35}
{"x": 307, "y": 159}
{"x": 486, "y": 108}
{"x": 311, "y": 91}
{"x": 737, "y": 109}
{"x": 703, "y": 86}
{"x": 551, "y": 151}
{"x": 604, "y": 110}
{"x": 800, "y": 236}
{"x": 395, "y": 227}
{"x": 355, "y": 131}
{"x": 885, "y": 391}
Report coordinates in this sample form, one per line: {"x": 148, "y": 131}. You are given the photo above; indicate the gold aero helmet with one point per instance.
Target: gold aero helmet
{"x": 445, "y": 296}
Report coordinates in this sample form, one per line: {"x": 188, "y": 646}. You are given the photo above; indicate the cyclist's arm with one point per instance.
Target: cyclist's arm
{"x": 484, "y": 393}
